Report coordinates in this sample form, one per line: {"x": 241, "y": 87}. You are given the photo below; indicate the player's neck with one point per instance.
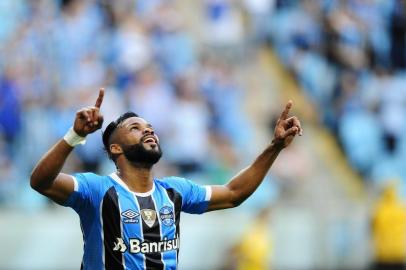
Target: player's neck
{"x": 138, "y": 179}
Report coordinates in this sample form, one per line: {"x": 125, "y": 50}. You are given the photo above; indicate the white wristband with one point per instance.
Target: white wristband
{"x": 73, "y": 139}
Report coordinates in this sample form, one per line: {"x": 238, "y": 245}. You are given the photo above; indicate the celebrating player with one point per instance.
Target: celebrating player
{"x": 130, "y": 219}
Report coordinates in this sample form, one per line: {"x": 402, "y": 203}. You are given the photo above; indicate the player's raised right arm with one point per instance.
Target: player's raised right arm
{"x": 46, "y": 178}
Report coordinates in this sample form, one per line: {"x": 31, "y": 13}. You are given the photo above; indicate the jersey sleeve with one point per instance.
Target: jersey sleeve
{"x": 86, "y": 192}
{"x": 195, "y": 198}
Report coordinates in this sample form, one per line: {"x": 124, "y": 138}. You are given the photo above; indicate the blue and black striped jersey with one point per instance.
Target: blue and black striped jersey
{"x": 127, "y": 230}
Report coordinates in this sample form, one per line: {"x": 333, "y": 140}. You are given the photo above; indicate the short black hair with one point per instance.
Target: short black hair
{"x": 110, "y": 130}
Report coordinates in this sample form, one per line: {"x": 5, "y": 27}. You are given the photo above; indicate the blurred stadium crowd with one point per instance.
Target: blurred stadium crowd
{"x": 349, "y": 57}
{"x": 56, "y": 54}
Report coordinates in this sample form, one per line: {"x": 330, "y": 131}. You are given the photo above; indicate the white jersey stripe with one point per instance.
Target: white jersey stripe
{"x": 101, "y": 233}
{"x": 208, "y": 193}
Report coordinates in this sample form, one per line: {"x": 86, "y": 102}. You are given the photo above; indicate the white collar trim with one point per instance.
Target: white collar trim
{"x": 124, "y": 185}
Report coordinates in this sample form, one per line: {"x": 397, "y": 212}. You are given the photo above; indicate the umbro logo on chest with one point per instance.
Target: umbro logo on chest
{"x": 148, "y": 215}
{"x": 130, "y": 216}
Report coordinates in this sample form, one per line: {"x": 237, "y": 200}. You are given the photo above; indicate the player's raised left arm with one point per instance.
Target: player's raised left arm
{"x": 242, "y": 185}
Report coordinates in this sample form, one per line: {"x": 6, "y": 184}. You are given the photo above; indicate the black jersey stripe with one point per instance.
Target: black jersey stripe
{"x": 153, "y": 261}
{"x": 111, "y": 230}
{"x": 84, "y": 244}
{"x": 176, "y": 198}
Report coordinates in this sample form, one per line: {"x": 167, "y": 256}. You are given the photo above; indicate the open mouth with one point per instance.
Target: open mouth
{"x": 150, "y": 139}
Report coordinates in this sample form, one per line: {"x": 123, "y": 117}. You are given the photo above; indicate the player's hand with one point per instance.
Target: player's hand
{"x": 286, "y": 128}
{"x": 89, "y": 119}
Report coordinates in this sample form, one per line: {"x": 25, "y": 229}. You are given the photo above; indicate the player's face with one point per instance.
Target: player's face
{"x": 139, "y": 141}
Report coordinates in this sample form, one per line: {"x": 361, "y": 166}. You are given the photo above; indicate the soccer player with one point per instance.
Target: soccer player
{"x": 129, "y": 219}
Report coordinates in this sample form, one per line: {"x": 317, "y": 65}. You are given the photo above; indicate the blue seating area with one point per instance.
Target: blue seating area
{"x": 349, "y": 59}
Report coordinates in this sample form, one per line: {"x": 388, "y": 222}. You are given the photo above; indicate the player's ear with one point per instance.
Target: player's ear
{"x": 115, "y": 149}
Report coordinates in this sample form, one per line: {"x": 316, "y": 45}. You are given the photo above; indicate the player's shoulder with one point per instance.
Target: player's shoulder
{"x": 90, "y": 176}
{"x": 175, "y": 182}
{"x": 91, "y": 179}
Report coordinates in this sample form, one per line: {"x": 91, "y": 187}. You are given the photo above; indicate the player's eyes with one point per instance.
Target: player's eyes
{"x": 134, "y": 128}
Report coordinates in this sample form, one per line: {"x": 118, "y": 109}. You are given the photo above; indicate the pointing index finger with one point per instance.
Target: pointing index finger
{"x": 285, "y": 112}
{"x": 100, "y": 98}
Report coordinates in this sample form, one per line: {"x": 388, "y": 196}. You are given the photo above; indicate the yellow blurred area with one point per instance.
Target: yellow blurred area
{"x": 388, "y": 227}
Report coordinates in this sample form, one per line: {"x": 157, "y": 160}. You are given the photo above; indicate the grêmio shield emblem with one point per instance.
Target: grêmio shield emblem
{"x": 149, "y": 216}
{"x": 166, "y": 216}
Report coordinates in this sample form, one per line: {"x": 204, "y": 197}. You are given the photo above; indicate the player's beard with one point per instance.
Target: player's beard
{"x": 141, "y": 156}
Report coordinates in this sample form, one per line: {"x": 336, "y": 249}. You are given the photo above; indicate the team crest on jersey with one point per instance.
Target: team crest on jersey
{"x": 149, "y": 216}
{"x": 166, "y": 215}
{"x": 130, "y": 216}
